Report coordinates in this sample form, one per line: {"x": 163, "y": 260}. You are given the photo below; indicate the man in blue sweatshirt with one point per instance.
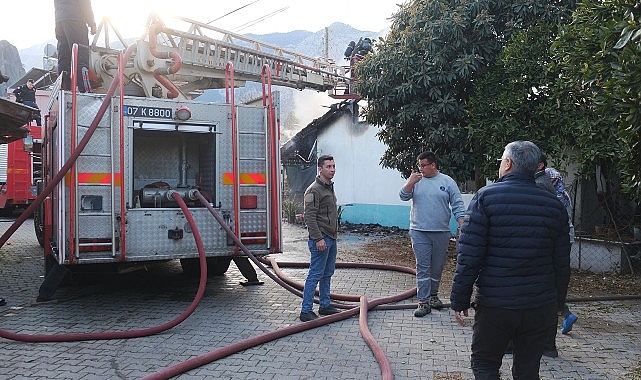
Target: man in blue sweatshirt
{"x": 432, "y": 194}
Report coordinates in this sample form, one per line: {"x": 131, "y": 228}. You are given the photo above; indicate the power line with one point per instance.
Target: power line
{"x": 256, "y": 21}
{"x": 235, "y": 10}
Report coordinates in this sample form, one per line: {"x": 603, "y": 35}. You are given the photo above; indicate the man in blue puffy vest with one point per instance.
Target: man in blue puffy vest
{"x": 514, "y": 246}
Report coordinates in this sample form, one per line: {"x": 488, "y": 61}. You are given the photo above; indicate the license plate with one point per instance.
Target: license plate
{"x": 149, "y": 112}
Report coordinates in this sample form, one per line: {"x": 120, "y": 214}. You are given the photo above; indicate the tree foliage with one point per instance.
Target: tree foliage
{"x": 420, "y": 78}
{"x": 515, "y": 100}
{"x": 600, "y": 57}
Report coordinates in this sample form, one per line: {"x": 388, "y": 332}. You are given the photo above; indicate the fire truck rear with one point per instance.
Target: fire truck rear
{"x": 117, "y": 202}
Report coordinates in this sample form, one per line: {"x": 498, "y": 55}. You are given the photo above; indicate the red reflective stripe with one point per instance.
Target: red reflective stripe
{"x": 245, "y": 178}
{"x": 95, "y": 178}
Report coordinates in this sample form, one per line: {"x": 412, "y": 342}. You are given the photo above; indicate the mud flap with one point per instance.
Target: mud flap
{"x": 54, "y": 276}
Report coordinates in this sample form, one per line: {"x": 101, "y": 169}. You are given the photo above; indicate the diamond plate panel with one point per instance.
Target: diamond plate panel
{"x": 147, "y": 233}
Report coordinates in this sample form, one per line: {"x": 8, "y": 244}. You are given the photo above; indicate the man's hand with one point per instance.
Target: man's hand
{"x": 459, "y": 317}
{"x": 92, "y": 29}
{"x": 414, "y": 178}
{"x": 320, "y": 245}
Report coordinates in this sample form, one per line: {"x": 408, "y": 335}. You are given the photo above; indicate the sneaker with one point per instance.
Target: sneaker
{"x": 551, "y": 353}
{"x": 308, "y": 316}
{"x": 422, "y": 310}
{"x": 568, "y": 322}
{"x": 329, "y": 310}
{"x": 435, "y": 303}
{"x": 251, "y": 283}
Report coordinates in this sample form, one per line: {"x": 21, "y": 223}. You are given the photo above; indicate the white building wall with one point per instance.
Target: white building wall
{"x": 359, "y": 176}
{"x": 367, "y": 191}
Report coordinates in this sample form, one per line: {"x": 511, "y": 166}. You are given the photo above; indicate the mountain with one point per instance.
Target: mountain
{"x": 10, "y": 65}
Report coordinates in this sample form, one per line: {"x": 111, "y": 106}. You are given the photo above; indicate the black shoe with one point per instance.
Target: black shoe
{"x": 3, "y": 302}
{"x": 422, "y": 310}
{"x": 551, "y": 353}
{"x": 435, "y": 303}
{"x": 329, "y": 310}
{"x": 251, "y": 283}
{"x": 308, "y": 316}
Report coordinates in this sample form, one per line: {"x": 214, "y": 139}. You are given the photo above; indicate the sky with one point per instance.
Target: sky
{"x": 32, "y": 22}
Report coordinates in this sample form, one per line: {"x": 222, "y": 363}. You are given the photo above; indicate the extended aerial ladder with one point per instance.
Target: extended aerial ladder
{"x": 180, "y": 64}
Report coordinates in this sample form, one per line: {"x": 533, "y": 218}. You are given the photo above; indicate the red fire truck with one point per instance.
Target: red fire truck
{"x": 20, "y": 159}
{"x": 20, "y": 168}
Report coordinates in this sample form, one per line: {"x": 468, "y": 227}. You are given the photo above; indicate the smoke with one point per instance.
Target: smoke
{"x": 308, "y": 105}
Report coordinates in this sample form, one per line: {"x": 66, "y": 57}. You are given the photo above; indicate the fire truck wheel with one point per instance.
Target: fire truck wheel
{"x": 216, "y": 266}
{"x": 38, "y": 226}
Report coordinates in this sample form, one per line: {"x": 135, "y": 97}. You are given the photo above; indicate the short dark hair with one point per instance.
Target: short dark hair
{"x": 544, "y": 160}
{"x": 430, "y": 156}
{"x": 29, "y": 80}
{"x": 323, "y": 158}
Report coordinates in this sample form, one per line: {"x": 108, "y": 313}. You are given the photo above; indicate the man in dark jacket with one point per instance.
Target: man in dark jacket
{"x": 26, "y": 94}
{"x": 73, "y": 17}
{"x": 514, "y": 246}
{"x": 321, "y": 217}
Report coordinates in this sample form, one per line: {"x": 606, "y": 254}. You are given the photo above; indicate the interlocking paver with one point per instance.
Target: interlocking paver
{"x": 430, "y": 347}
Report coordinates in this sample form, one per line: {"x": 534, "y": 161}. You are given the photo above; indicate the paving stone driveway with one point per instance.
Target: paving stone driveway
{"x": 434, "y": 347}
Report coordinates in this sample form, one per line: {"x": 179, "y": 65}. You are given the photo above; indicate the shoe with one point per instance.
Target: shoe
{"x": 251, "y": 283}
{"x": 3, "y": 302}
{"x": 329, "y": 310}
{"x": 568, "y": 322}
{"x": 551, "y": 353}
{"x": 3, "y": 78}
{"x": 422, "y": 310}
{"x": 308, "y": 316}
{"x": 435, "y": 303}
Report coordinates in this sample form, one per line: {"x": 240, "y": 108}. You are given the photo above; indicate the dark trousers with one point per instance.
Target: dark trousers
{"x": 67, "y": 34}
{"x": 245, "y": 267}
{"x": 37, "y": 116}
{"x": 550, "y": 343}
{"x": 494, "y": 328}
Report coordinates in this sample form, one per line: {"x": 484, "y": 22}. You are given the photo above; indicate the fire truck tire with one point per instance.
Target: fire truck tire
{"x": 38, "y": 226}
{"x": 216, "y": 266}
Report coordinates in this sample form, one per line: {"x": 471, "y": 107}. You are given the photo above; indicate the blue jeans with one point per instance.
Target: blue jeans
{"x": 430, "y": 250}
{"x": 321, "y": 269}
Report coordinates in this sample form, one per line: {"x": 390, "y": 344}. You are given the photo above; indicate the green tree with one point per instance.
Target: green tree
{"x": 515, "y": 100}
{"x": 600, "y": 57}
{"x": 419, "y": 80}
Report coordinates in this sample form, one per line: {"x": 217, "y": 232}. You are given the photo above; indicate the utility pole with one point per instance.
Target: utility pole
{"x": 326, "y": 47}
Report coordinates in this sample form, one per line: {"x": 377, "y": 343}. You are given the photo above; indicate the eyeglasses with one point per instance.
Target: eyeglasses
{"x": 421, "y": 166}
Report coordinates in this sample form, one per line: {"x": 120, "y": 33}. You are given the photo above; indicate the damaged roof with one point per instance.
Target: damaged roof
{"x": 303, "y": 142}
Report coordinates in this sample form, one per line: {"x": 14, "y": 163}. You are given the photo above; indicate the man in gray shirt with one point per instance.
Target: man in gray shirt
{"x": 434, "y": 197}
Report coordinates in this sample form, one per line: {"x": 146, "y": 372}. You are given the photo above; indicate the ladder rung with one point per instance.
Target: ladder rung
{"x": 252, "y": 133}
